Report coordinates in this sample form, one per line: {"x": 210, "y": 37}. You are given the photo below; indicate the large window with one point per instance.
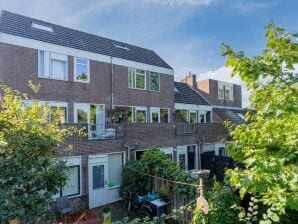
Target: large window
{"x": 137, "y": 115}
{"x": 81, "y": 70}
{"x": 58, "y": 112}
{"x": 52, "y": 65}
{"x": 136, "y": 78}
{"x": 225, "y": 91}
{"x": 115, "y": 169}
{"x": 154, "y": 81}
{"x": 192, "y": 117}
{"x": 164, "y": 115}
{"x": 72, "y": 186}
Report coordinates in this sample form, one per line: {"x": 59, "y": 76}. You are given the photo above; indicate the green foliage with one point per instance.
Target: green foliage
{"x": 224, "y": 206}
{"x": 267, "y": 145}
{"x": 153, "y": 162}
{"x": 29, "y": 174}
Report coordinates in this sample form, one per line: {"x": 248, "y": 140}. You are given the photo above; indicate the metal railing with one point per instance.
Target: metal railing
{"x": 185, "y": 128}
{"x": 106, "y": 131}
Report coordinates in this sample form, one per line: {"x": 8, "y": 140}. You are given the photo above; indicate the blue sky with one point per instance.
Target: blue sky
{"x": 185, "y": 33}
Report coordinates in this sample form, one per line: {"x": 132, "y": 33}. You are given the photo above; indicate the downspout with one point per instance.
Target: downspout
{"x": 112, "y": 83}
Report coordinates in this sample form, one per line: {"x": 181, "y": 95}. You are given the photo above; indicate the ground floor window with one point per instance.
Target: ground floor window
{"x": 191, "y": 157}
{"x": 115, "y": 163}
{"x": 72, "y": 186}
{"x": 139, "y": 154}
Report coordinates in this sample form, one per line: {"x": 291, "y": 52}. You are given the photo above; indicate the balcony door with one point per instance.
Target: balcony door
{"x": 93, "y": 115}
{"x": 182, "y": 157}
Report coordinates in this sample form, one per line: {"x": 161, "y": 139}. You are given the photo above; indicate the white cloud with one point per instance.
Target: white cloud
{"x": 224, "y": 74}
{"x": 175, "y": 2}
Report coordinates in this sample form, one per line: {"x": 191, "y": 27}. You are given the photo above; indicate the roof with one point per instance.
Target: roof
{"x": 18, "y": 25}
{"x": 185, "y": 94}
{"x": 231, "y": 115}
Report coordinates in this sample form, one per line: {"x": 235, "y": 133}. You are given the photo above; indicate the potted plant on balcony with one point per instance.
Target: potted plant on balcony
{"x": 107, "y": 215}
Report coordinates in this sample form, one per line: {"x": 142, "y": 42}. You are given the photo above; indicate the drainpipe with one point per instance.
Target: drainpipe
{"x": 112, "y": 83}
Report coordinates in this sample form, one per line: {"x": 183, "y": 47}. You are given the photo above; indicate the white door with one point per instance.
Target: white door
{"x": 98, "y": 175}
{"x": 182, "y": 157}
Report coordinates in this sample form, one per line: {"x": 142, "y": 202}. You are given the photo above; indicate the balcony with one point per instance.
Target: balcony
{"x": 185, "y": 128}
{"x": 100, "y": 131}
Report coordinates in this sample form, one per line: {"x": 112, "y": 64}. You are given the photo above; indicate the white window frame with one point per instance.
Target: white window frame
{"x": 193, "y": 112}
{"x": 168, "y": 109}
{"x": 158, "y": 81}
{"x": 58, "y": 104}
{"x": 168, "y": 151}
{"x": 134, "y": 86}
{"x": 48, "y": 56}
{"x": 75, "y": 70}
{"x": 139, "y": 109}
{"x": 72, "y": 161}
{"x": 123, "y": 163}
{"x": 223, "y": 86}
{"x": 154, "y": 110}
{"x": 81, "y": 106}
{"x": 204, "y": 114}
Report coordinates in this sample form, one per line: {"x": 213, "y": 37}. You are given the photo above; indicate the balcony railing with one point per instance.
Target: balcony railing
{"x": 106, "y": 131}
{"x": 185, "y": 128}
{"x": 100, "y": 131}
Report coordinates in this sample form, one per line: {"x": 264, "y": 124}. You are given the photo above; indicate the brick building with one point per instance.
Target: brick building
{"x": 123, "y": 96}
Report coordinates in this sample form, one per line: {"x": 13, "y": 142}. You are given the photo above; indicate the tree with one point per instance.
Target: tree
{"x": 30, "y": 175}
{"x": 267, "y": 144}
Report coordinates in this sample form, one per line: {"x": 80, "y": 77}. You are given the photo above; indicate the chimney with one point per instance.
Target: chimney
{"x": 190, "y": 79}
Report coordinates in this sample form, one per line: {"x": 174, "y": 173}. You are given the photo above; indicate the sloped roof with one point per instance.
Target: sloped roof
{"x": 18, "y": 25}
{"x": 185, "y": 94}
{"x": 231, "y": 115}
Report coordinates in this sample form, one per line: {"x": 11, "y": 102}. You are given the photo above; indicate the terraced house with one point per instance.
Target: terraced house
{"x": 123, "y": 96}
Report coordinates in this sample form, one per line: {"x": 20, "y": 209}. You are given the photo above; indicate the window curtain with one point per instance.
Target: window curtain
{"x": 58, "y": 69}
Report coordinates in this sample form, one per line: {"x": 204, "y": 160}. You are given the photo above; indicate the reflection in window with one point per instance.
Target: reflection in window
{"x": 82, "y": 70}
{"x": 154, "y": 81}
{"x": 154, "y": 117}
{"x": 183, "y": 114}
{"x": 182, "y": 161}
{"x": 136, "y": 78}
{"x": 192, "y": 117}
{"x": 58, "y": 113}
{"x": 164, "y": 115}
{"x": 98, "y": 176}
{"x": 72, "y": 186}
{"x": 82, "y": 116}
{"x": 141, "y": 116}
{"x": 115, "y": 169}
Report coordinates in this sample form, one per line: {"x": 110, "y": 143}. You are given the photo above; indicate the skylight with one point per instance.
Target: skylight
{"x": 42, "y": 27}
{"x": 120, "y": 45}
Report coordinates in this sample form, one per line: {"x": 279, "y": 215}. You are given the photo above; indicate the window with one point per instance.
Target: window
{"x": 183, "y": 115}
{"x": 225, "y": 90}
{"x": 41, "y": 63}
{"x": 221, "y": 151}
{"x": 140, "y": 115}
{"x": 72, "y": 186}
{"x": 191, "y": 157}
{"x": 182, "y": 161}
{"x": 192, "y": 117}
{"x": 164, "y": 115}
{"x": 58, "y": 112}
{"x": 82, "y": 117}
{"x": 136, "y": 78}
{"x": 52, "y": 65}
{"x": 155, "y": 115}
{"x": 115, "y": 162}
{"x": 58, "y": 69}
{"x": 221, "y": 93}
{"x": 137, "y": 115}
{"x": 120, "y": 45}
{"x": 98, "y": 176}
{"x": 81, "y": 70}
{"x": 202, "y": 117}
{"x": 154, "y": 81}
{"x": 42, "y": 27}
{"x": 228, "y": 93}
{"x": 139, "y": 154}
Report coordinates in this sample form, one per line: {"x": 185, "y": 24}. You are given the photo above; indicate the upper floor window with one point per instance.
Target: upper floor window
{"x": 136, "y": 78}
{"x": 81, "y": 70}
{"x": 52, "y": 65}
{"x": 137, "y": 114}
{"x": 225, "y": 91}
{"x": 154, "y": 81}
